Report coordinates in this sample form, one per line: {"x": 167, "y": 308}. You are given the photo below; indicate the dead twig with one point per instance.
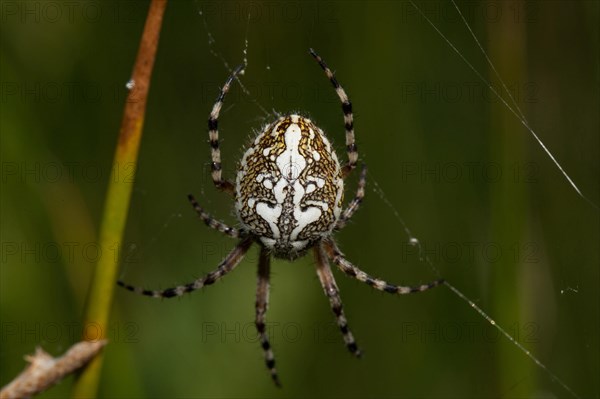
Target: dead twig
{"x": 45, "y": 371}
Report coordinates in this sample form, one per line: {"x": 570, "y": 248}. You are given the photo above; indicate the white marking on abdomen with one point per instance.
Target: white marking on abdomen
{"x": 291, "y": 160}
{"x": 304, "y": 218}
{"x": 291, "y": 164}
{"x": 270, "y": 215}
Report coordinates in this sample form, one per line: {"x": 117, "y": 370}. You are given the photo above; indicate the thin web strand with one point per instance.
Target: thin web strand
{"x": 219, "y": 56}
{"x": 526, "y": 351}
{"x": 489, "y": 61}
{"x": 511, "y": 109}
{"x": 425, "y": 258}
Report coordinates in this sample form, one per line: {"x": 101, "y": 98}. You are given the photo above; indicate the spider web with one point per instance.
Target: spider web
{"x": 514, "y": 108}
{"x": 504, "y": 95}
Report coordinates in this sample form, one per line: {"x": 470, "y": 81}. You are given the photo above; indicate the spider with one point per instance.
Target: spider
{"x": 288, "y": 198}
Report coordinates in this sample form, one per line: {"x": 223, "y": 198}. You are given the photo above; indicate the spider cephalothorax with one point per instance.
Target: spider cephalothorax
{"x": 288, "y": 197}
{"x": 289, "y": 187}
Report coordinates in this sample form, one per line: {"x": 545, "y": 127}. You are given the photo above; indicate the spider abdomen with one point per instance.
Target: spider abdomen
{"x": 289, "y": 186}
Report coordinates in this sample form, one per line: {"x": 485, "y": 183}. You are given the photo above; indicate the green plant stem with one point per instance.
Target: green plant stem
{"x": 118, "y": 196}
{"x": 509, "y": 210}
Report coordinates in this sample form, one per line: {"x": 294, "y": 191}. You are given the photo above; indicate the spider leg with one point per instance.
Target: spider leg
{"x": 213, "y": 134}
{"x": 262, "y": 303}
{"x": 356, "y": 201}
{"x": 333, "y": 293}
{"x": 211, "y": 222}
{"x": 348, "y": 117}
{"x": 228, "y": 264}
{"x": 353, "y": 271}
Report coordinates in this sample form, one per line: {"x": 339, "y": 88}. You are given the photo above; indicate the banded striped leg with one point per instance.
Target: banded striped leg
{"x": 353, "y": 271}
{"x": 227, "y": 265}
{"x": 333, "y": 293}
{"x": 213, "y": 134}
{"x": 348, "y": 117}
{"x": 356, "y": 201}
{"x": 212, "y": 222}
{"x": 262, "y": 302}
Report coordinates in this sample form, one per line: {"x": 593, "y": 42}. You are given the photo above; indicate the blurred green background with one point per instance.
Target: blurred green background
{"x": 493, "y": 214}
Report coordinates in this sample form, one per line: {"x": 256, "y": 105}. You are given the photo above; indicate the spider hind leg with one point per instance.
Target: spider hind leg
{"x": 227, "y": 265}
{"x": 348, "y": 268}
{"x": 332, "y": 292}
{"x": 262, "y": 302}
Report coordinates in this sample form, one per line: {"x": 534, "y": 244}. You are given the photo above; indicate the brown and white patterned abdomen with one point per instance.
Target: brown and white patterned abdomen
{"x": 289, "y": 186}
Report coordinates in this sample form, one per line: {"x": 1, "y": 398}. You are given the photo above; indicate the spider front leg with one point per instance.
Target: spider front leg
{"x": 262, "y": 302}
{"x": 351, "y": 148}
{"x": 353, "y": 271}
{"x": 212, "y": 222}
{"x": 213, "y": 134}
{"x": 227, "y": 265}
{"x": 333, "y": 293}
{"x": 356, "y": 201}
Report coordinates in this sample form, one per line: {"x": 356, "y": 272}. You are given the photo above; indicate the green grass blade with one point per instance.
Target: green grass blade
{"x": 119, "y": 194}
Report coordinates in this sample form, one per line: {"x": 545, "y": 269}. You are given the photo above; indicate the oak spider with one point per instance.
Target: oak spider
{"x": 288, "y": 198}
